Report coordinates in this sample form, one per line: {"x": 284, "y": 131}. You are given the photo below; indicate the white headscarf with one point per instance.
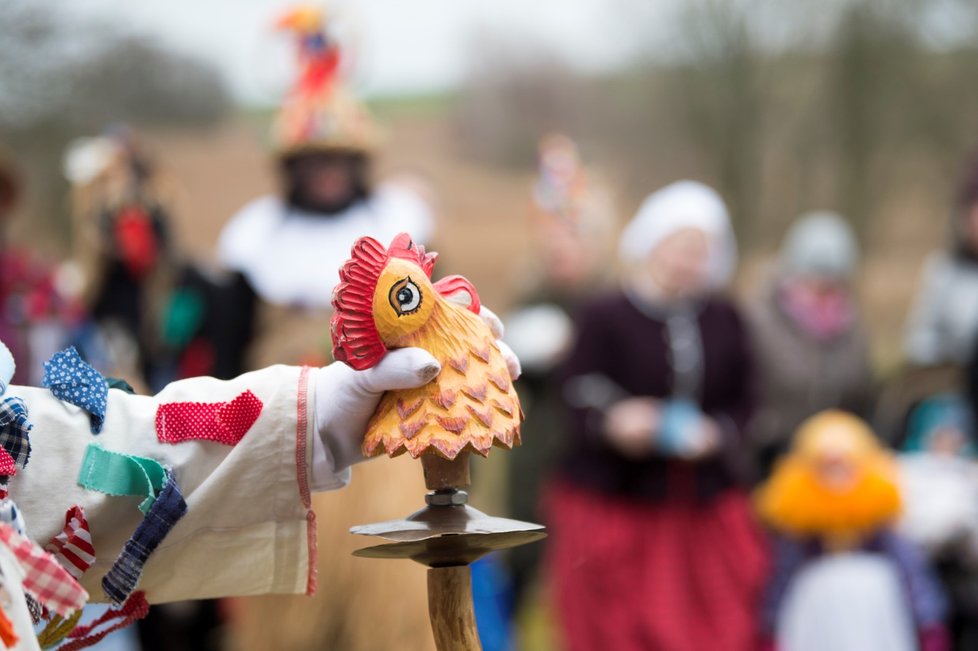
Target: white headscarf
{"x": 680, "y": 205}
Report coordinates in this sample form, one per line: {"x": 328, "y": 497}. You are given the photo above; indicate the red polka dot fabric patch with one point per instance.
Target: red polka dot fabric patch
{"x": 7, "y": 465}
{"x": 223, "y": 422}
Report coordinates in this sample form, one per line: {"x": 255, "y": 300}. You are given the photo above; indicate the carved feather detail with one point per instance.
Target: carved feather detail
{"x": 477, "y": 394}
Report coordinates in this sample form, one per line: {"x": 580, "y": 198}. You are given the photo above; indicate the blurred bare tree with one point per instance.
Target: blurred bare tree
{"x": 62, "y": 76}
{"x": 783, "y": 106}
{"x": 523, "y": 91}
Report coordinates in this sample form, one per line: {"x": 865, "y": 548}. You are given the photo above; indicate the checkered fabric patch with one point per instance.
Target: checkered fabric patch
{"x": 74, "y": 381}
{"x": 44, "y": 578}
{"x": 15, "y": 429}
{"x": 73, "y": 546}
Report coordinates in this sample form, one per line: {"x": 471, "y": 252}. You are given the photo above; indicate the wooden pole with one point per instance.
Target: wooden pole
{"x": 441, "y": 473}
{"x": 450, "y": 609}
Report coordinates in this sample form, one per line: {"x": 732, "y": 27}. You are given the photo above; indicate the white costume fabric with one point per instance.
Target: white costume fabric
{"x": 846, "y": 602}
{"x": 944, "y": 318}
{"x": 248, "y": 527}
{"x": 292, "y": 257}
{"x": 16, "y": 609}
{"x": 940, "y": 503}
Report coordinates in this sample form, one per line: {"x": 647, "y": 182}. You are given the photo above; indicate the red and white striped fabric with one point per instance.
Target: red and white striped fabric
{"x": 44, "y": 578}
{"x": 73, "y": 547}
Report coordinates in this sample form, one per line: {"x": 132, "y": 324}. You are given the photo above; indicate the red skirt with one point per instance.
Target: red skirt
{"x": 645, "y": 576}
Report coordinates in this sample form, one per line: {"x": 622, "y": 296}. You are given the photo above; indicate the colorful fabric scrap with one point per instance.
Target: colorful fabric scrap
{"x": 15, "y": 429}
{"x": 135, "y": 608}
{"x": 57, "y": 629}
{"x": 8, "y": 468}
{"x": 125, "y": 573}
{"x": 36, "y": 610}
{"x": 121, "y": 474}
{"x": 120, "y": 384}
{"x": 223, "y": 422}
{"x": 7, "y": 367}
{"x": 44, "y": 578}
{"x": 7, "y": 634}
{"x": 73, "y": 380}
{"x": 10, "y": 514}
{"x": 73, "y": 547}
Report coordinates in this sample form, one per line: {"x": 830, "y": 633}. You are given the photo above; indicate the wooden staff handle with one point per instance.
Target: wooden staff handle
{"x": 450, "y": 609}
{"x": 441, "y": 473}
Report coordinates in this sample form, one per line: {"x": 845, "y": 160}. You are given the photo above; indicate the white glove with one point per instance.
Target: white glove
{"x": 496, "y": 326}
{"x": 345, "y": 401}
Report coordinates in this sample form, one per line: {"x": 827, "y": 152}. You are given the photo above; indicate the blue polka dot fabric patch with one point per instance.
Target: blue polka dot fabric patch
{"x": 74, "y": 381}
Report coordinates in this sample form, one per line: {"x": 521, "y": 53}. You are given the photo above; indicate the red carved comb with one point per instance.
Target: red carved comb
{"x": 355, "y": 337}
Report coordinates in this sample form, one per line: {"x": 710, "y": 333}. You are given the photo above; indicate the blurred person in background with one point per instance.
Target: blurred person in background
{"x": 843, "y": 578}
{"x": 154, "y": 316}
{"x": 939, "y": 479}
{"x": 37, "y": 307}
{"x": 943, "y": 324}
{"x": 572, "y": 227}
{"x": 942, "y": 327}
{"x": 286, "y": 250}
{"x": 288, "y": 247}
{"x": 652, "y": 544}
{"x": 811, "y": 348}
{"x": 122, "y": 250}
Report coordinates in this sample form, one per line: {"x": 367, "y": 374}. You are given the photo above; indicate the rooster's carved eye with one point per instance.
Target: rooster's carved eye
{"x": 405, "y": 297}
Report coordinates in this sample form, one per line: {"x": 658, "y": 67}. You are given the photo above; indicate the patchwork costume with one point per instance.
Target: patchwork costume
{"x": 200, "y": 491}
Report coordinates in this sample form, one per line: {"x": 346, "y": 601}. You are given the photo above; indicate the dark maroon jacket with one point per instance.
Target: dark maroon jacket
{"x": 618, "y": 340}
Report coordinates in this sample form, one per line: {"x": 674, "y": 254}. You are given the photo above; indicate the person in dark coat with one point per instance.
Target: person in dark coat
{"x": 652, "y": 543}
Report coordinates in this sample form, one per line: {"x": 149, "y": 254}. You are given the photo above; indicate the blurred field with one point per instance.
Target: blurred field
{"x": 482, "y": 208}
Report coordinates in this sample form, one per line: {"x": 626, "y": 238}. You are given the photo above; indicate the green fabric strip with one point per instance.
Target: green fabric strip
{"x": 115, "y": 473}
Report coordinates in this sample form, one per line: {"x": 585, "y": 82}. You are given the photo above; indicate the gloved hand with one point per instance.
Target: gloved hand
{"x": 345, "y": 401}
{"x": 496, "y": 326}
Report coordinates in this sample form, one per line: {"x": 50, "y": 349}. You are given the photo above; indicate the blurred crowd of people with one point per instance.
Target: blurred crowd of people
{"x": 716, "y": 472}
{"x": 724, "y": 472}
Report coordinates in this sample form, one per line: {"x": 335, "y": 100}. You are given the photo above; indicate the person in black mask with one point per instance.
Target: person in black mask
{"x": 287, "y": 247}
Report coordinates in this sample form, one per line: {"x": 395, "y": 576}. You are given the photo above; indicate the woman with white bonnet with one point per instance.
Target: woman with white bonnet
{"x": 811, "y": 348}
{"x": 652, "y": 543}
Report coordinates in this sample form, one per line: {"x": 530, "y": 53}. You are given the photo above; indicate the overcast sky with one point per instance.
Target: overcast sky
{"x": 401, "y": 45}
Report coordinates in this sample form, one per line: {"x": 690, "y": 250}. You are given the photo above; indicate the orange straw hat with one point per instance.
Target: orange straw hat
{"x": 319, "y": 113}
